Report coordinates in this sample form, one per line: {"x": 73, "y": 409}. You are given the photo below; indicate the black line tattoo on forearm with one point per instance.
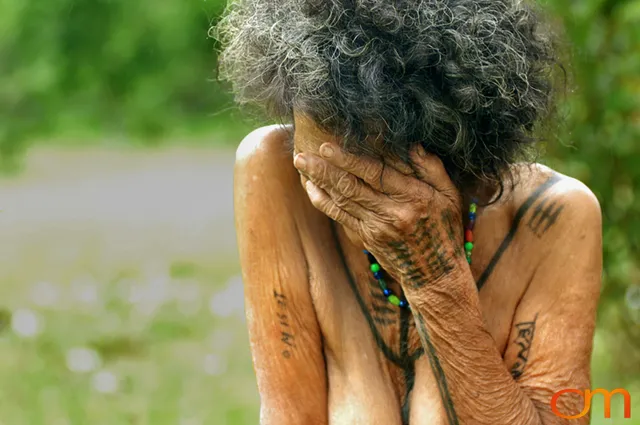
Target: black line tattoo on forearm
{"x": 514, "y": 228}
{"x": 286, "y": 332}
{"x": 524, "y": 339}
{"x": 438, "y": 372}
{"x": 545, "y": 214}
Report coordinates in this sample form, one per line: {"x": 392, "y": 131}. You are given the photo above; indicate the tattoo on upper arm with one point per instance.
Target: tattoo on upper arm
{"x": 286, "y": 332}
{"x": 524, "y": 339}
{"x": 438, "y": 372}
{"x": 545, "y": 215}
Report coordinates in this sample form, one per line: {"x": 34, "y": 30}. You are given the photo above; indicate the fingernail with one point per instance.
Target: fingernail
{"x": 326, "y": 150}
{"x": 300, "y": 162}
{"x": 309, "y": 186}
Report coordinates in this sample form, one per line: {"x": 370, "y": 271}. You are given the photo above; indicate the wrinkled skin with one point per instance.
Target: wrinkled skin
{"x": 327, "y": 350}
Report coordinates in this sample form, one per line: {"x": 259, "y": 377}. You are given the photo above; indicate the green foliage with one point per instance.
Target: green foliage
{"x": 105, "y": 67}
{"x": 90, "y": 69}
{"x": 601, "y": 147}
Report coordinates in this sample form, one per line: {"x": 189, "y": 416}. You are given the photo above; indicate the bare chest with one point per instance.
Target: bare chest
{"x": 375, "y": 361}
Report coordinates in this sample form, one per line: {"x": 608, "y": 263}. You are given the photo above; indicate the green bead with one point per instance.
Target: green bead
{"x": 472, "y": 208}
{"x": 394, "y": 300}
{"x": 375, "y": 267}
{"x": 382, "y": 284}
{"x": 468, "y": 246}
{"x": 468, "y": 259}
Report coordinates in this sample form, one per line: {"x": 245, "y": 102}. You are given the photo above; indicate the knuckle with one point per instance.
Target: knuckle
{"x": 381, "y": 232}
{"x": 376, "y": 233}
{"x": 372, "y": 172}
{"x": 346, "y": 184}
{"x": 325, "y": 175}
{"x": 335, "y": 212}
{"x": 340, "y": 200}
{"x": 405, "y": 219}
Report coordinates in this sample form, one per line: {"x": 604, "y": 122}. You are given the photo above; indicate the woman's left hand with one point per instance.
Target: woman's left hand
{"x": 411, "y": 222}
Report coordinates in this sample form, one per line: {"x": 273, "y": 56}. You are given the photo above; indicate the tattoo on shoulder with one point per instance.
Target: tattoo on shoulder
{"x": 286, "y": 332}
{"x": 533, "y": 199}
{"x": 545, "y": 214}
{"x": 524, "y": 339}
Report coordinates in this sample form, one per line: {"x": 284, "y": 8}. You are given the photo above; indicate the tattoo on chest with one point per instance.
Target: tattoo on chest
{"x": 429, "y": 238}
{"x": 286, "y": 332}
{"x": 379, "y": 316}
{"x": 545, "y": 214}
{"x": 524, "y": 339}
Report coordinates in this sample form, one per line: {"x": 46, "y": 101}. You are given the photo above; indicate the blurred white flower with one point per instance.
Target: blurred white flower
{"x": 123, "y": 288}
{"x": 45, "y": 294}
{"x": 82, "y": 359}
{"x": 135, "y": 293}
{"x": 105, "y": 382}
{"x": 230, "y": 300}
{"x": 85, "y": 291}
{"x": 25, "y": 323}
{"x": 147, "y": 297}
{"x": 214, "y": 365}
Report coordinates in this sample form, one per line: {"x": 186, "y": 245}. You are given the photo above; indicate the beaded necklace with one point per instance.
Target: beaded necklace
{"x": 377, "y": 269}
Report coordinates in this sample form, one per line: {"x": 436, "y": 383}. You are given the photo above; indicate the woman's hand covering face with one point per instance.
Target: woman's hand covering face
{"x": 411, "y": 221}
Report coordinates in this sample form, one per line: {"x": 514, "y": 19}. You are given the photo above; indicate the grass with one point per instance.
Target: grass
{"x": 128, "y": 347}
{"x": 114, "y": 312}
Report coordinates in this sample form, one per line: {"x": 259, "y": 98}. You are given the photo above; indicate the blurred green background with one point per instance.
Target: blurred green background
{"x": 121, "y": 301}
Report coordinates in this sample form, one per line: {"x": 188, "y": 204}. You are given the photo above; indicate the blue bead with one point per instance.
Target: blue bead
{"x": 472, "y": 216}
{"x": 365, "y": 251}
{"x": 403, "y": 303}
{"x": 377, "y": 275}
{"x": 386, "y": 292}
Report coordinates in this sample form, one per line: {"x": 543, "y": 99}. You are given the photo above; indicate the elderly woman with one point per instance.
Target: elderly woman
{"x": 404, "y": 259}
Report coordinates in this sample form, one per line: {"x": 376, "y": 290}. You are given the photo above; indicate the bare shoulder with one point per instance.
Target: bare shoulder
{"x": 286, "y": 341}
{"x": 551, "y": 202}
{"x": 266, "y": 147}
{"x": 559, "y": 225}
{"x": 264, "y": 176}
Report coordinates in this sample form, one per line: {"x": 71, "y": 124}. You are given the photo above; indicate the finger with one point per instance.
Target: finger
{"x": 399, "y": 165}
{"x": 325, "y": 204}
{"x": 430, "y": 169}
{"x": 383, "y": 179}
{"x": 346, "y": 190}
{"x": 343, "y": 194}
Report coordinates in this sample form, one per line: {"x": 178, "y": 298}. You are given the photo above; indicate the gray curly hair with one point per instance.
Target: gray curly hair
{"x": 469, "y": 79}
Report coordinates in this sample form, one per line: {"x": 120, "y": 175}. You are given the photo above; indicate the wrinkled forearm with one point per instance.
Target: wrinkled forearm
{"x": 474, "y": 384}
